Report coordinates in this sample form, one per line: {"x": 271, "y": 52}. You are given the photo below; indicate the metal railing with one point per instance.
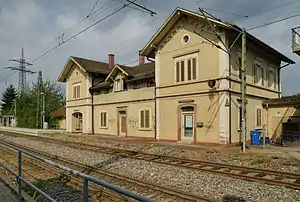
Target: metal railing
{"x": 86, "y": 178}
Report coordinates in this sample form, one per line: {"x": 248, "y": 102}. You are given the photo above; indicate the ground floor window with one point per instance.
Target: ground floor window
{"x": 145, "y": 118}
{"x": 103, "y": 119}
{"x": 258, "y": 117}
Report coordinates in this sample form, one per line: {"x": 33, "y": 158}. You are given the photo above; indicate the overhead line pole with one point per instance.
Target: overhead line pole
{"x": 244, "y": 85}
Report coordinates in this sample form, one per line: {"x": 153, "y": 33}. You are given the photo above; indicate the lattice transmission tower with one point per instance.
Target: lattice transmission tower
{"x": 22, "y": 71}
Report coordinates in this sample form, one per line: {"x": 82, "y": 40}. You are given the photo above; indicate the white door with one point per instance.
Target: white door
{"x": 122, "y": 123}
{"x": 187, "y": 126}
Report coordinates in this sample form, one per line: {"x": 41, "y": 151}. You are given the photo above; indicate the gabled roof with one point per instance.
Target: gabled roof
{"x": 136, "y": 73}
{"x": 86, "y": 65}
{"x": 283, "y": 101}
{"x": 60, "y": 112}
{"x": 149, "y": 48}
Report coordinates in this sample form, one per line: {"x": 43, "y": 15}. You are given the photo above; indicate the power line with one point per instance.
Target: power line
{"x": 75, "y": 35}
{"x": 273, "y": 22}
{"x": 273, "y": 8}
{"x": 93, "y": 8}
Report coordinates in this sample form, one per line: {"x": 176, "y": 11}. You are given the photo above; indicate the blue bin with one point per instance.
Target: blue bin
{"x": 255, "y": 137}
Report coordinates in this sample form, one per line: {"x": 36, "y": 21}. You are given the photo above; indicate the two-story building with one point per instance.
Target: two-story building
{"x": 191, "y": 92}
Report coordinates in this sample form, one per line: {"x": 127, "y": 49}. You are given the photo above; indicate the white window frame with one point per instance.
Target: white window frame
{"x": 258, "y": 65}
{"x": 273, "y": 71}
{"x": 75, "y": 95}
{"x": 261, "y": 117}
{"x": 120, "y": 84}
{"x": 185, "y": 59}
{"x": 106, "y": 121}
{"x": 140, "y": 119}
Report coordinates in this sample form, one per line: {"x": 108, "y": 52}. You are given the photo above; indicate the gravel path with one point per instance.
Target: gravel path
{"x": 212, "y": 186}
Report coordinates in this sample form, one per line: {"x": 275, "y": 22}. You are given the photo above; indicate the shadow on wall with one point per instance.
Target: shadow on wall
{"x": 229, "y": 198}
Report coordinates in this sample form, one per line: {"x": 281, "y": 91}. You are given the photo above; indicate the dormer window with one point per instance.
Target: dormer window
{"x": 118, "y": 85}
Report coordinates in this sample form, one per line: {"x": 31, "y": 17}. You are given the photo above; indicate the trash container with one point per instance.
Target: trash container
{"x": 255, "y": 137}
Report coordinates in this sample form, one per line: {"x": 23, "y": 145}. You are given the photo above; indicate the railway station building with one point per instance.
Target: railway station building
{"x": 185, "y": 88}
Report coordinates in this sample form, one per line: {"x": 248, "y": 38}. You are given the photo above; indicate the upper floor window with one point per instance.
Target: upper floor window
{"x": 145, "y": 119}
{"x": 258, "y": 71}
{"x": 271, "y": 79}
{"x": 118, "y": 84}
{"x": 258, "y": 117}
{"x": 76, "y": 90}
{"x": 186, "y": 68}
{"x": 103, "y": 119}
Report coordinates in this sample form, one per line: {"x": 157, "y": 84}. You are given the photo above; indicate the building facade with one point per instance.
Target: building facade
{"x": 191, "y": 92}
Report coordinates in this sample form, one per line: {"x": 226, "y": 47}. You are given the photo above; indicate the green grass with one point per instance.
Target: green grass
{"x": 41, "y": 184}
{"x": 258, "y": 161}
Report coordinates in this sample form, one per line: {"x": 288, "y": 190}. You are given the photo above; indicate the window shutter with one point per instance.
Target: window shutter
{"x": 78, "y": 91}
{"x": 142, "y": 119}
{"x": 147, "y": 119}
{"x": 101, "y": 119}
{"x": 240, "y": 67}
{"x": 254, "y": 73}
{"x": 182, "y": 70}
{"x": 177, "y": 71}
{"x": 189, "y": 68}
{"x": 74, "y": 92}
{"x": 194, "y": 69}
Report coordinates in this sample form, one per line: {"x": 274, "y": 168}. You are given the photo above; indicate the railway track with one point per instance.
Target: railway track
{"x": 32, "y": 166}
{"x": 153, "y": 191}
{"x": 270, "y": 177}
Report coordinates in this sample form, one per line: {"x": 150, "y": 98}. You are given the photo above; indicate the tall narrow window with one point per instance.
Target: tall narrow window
{"x": 194, "y": 67}
{"x": 271, "y": 79}
{"x": 118, "y": 86}
{"x": 258, "y": 74}
{"x": 177, "y": 71}
{"x": 186, "y": 68}
{"x": 103, "y": 119}
{"x": 189, "y": 70}
{"x": 258, "y": 117}
{"x": 145, "y": 119}
{"x": 182, "y": 70}
{"x": 76, "y": 91}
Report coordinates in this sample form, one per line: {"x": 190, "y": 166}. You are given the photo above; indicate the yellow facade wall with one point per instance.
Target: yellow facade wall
{"x": 133, "y": 120}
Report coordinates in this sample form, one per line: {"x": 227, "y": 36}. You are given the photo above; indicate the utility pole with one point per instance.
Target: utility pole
{"x": 22, "y": 71}
{"x": 244, "y": 84}
{"x": 37, "y": 109}
{"x": 15, "y": 112}
{"x": 43, "y": 112}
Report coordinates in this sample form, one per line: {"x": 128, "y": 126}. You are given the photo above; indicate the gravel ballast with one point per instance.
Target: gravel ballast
{"x": 195, "y": 182}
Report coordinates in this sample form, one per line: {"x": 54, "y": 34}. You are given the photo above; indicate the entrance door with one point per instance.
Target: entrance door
{"x": 122, "y": 123}
{"x": 187, "y": 120}
{"x": 77, "y": 122}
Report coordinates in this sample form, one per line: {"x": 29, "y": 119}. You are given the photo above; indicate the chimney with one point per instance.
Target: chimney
{"x": 141, "y": 60}
{"x": 111, "y": 61}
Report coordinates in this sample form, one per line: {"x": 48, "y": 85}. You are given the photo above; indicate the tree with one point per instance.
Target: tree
{"x": 30, "y": 103}
{"x": 8, "y": 99}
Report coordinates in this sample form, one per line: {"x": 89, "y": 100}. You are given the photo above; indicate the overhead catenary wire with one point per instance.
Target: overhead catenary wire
{"x": 273, "y": 22}
{"x": 80, "y": 32}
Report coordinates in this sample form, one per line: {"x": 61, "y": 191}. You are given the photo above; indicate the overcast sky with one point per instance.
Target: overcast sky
{"x": 36, "y": 24}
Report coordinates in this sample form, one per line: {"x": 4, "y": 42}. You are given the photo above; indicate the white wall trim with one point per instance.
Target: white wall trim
{"x": 224, "y": 84}
{"x": 88, "y": 119}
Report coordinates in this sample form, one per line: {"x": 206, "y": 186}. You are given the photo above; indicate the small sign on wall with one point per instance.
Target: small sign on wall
{"x": 199, "y": 124}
